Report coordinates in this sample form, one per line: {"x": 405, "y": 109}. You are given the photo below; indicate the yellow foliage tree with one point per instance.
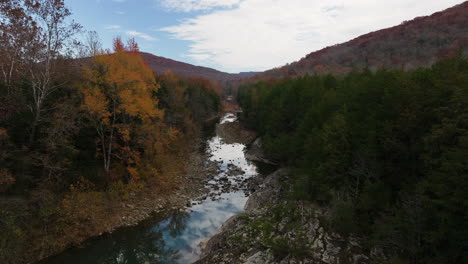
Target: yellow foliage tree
{"x": 119, "y": 99}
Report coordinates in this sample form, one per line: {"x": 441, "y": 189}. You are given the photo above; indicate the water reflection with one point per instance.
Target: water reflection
{"x": 144, "y": 243}
{"x": 175, "y": 236}
{"x": 205, "y": 220}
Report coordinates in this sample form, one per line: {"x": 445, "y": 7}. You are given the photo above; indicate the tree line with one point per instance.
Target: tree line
{"x": 83, "y": 128}
{"x": 386, "y": 151}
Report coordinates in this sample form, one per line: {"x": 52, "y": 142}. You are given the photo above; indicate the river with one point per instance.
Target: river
{"x": 174, "y": 236}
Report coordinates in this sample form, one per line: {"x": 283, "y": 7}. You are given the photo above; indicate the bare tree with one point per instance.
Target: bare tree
{"x": 93, "y": 44}
{"x": 18, "y": 31}
{"x": 53, "y": 36}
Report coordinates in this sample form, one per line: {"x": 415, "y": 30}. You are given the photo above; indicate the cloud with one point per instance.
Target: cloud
{"x": 119, "y": 1}
{"x": 262, "y": 34}
{"x": 133, "y": 33}
{"x": 196, "y": 5}
{"x": 198, "y": 56}
{"x": 112, "y": 27}
{"x": 139, "y": 35}
{"x": 119, "y": 12}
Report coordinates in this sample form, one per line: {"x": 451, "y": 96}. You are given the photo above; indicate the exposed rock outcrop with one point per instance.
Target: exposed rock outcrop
{"x": 275, "y": 230}
{"x": 234, "y": 132}
{"x": 256, "y": 153}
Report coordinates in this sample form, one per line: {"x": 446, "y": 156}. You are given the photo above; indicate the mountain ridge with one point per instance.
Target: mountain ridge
{"x": 161, "y": 64}
{"x": 413, "y": 43}
{"x": 417, "y": 42}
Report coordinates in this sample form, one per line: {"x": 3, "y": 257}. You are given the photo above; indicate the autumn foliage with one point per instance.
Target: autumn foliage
{"x": 109, "y": 132}
{"x": 415, "y": 43}
{"x": 119, "y": 99}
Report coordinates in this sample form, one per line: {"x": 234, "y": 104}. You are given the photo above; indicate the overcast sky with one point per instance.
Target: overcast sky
{"x": 243, "y": 35}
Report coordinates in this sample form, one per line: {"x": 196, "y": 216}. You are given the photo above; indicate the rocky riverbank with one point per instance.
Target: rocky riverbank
{"x": 190, "y": 187}
{"x": 273, "y": 229}
{"x": 234, "y": 132}
{"x": 141, "y": 204}
{"x": 256, "y": 153}
{"x": 206, "y": 178}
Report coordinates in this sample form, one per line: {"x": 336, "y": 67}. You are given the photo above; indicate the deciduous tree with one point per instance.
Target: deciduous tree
{"x": 119, "y": 99}
{"x": 52, "y": 42}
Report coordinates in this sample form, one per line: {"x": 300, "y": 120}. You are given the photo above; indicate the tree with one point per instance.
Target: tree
{"x": 50, "y": 45}
{"x": 119, "y": 100}
{"x": 18, "y": 32}
{"x": 387, "y": 150}
{"x": 92, "y": 46}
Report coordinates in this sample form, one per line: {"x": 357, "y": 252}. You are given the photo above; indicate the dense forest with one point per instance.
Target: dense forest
{"x": 79, "y": 136}
{"x": 382, "y": 145}
{"x": 386, "y": 151}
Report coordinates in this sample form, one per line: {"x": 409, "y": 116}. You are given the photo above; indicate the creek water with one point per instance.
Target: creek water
{"x": 174, "y": 236}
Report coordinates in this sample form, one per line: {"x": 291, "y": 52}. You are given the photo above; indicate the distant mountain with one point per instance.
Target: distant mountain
{"x": 419, "y": 42}
{"x": 161, "y": 64}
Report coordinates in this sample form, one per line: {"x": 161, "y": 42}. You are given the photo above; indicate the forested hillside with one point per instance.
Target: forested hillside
{"x": 79, "y": 137}
{"x": 161, "y": 65}
{"x": 419, "y": 42}
{"x": 385, "y": 151}
{"x": 373, "y": 135}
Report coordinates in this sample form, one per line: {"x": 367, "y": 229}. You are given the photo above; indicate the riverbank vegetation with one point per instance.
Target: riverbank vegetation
{"x": 385, "y": 151}
{"x": 83, "y": 129}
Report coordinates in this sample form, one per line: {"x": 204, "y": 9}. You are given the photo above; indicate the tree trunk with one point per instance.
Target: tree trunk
{"x": 32, "y": 136}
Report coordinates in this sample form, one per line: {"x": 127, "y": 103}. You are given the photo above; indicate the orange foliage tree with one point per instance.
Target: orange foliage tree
{"x": 119, "y": 99}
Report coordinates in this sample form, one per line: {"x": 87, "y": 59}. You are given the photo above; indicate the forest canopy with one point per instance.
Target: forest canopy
{"x": 386, "y": 151}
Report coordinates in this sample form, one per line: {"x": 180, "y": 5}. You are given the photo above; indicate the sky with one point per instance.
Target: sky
{"x": 243, "y": 35}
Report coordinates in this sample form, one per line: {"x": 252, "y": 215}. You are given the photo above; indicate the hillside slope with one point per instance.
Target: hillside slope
{"x": 419, "y": 42}
{"x": 161, "y": 64}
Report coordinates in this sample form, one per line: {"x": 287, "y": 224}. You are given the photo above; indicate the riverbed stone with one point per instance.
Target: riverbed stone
{"x": 234, "y": 243}
{"x": 234, "y": 132}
